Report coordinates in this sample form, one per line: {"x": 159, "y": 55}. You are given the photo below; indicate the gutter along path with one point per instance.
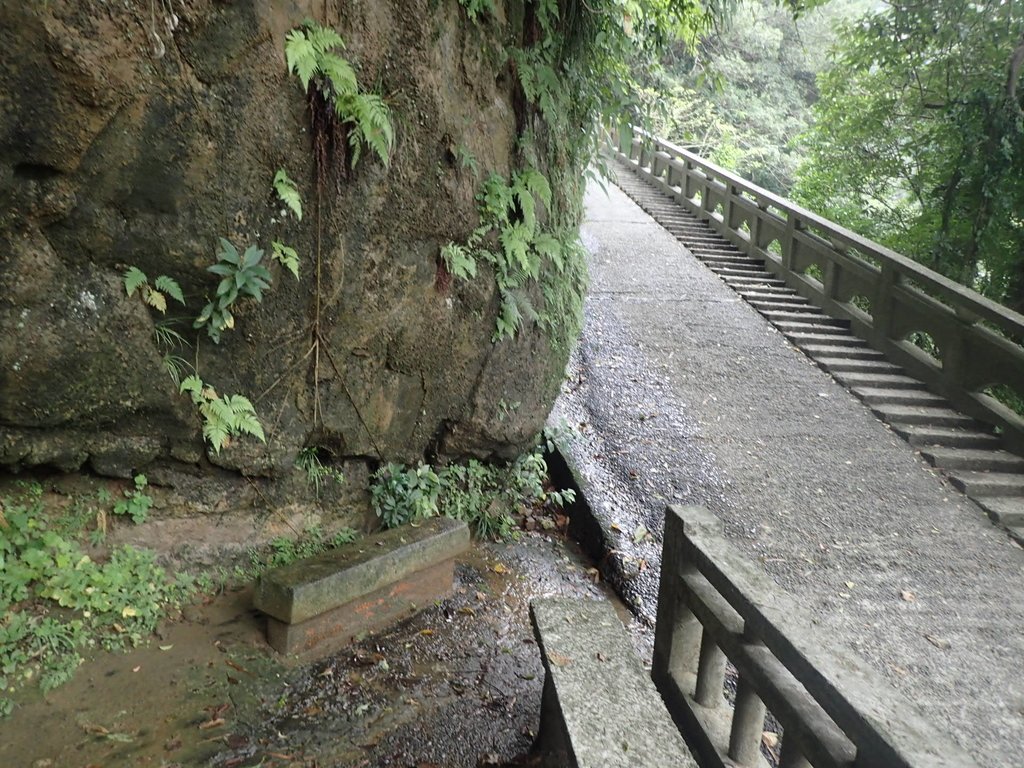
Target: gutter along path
{"x": 686, "y": 395}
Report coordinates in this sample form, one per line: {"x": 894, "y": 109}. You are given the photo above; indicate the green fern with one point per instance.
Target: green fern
{"x": 286, "y": 257}
{"x": 459, "y": 261}
{"x": 223, "y": 417}
{"x": 288, "y": 192}
{"x": 310, "y": 54}
{"x": 154, "y": 295}
{"x": 372, "y": 126}
{"x": 510, "y": 215}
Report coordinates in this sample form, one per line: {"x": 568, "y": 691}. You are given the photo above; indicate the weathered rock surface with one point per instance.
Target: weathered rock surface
{"x": 120, "y": 149}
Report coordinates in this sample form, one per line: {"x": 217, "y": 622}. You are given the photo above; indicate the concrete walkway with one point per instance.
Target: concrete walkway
{"x": 685, "y": 394}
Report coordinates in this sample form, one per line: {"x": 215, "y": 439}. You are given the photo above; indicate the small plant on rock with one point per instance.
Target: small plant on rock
{"x": 223, "y": 417}
{"x": 155, "y": 295}
{"x": 136, "y": 501}
{"x": 241, "y": 275}
{"x": 404, "y": 494}
{"x": 311, "y": 52}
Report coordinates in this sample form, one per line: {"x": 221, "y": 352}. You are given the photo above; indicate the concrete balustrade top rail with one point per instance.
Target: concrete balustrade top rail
{"x": 888, "y": 298}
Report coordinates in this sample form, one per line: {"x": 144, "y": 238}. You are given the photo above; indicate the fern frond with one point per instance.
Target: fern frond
{"x": 536, "y": 183}
{"x": 341, "y": 75}
{"x": 324, "y": 38}
{"x": 515, "y": 240}
{"x": 170, "y": 287}
{"x": 301, "y": 56}
{"x": 155, "y": 299}
{"x": 286, "y": 256}
{"x": 288, "y": 192}
{"x": 459, "y": 261}
{"x": 133, "y": 279}
{"x": 193, "y": 385}
{"x": 549, "y": 247}
{"x": 371, "y": 121}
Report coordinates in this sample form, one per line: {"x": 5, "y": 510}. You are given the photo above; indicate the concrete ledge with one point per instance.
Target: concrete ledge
{"x": 359, "y": 588}
{"x": 600, "y": 707}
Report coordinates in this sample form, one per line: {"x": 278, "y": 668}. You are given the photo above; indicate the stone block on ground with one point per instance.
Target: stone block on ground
{"x": 600, "y": 707}
{"x": 337, "y": 596}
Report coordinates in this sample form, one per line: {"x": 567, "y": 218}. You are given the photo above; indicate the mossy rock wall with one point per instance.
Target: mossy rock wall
{"x": 118, "y": 149}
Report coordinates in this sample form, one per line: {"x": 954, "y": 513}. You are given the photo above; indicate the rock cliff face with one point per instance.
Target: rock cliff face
{"x": 124, "y": 143}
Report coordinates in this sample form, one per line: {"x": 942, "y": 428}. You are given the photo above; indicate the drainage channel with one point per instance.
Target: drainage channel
{"x": 965, "y": 450}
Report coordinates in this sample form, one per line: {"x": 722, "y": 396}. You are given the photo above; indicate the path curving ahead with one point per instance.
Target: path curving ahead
{"x": 687, "y": 395}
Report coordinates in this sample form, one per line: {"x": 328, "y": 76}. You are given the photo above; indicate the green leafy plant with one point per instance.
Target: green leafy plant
{"x": 56, "y": 601}
{"x": 169, "y": 341}
{"x": 136, "y": 501}
{"x": 286, "y": 257}
{"x": 476, "y": 9}
{"x": 155, "y": 295}
{"x": 317, "y": 472}
{"x": 311, "y": 52}
{"x": 241, "y": 275}
{"x": 511, "y": 239}
{"x": 484, "y": 495}
{"x": 288, "y": 192}
{"x": 400, "y": 495}
{"x": 223, "y": 417}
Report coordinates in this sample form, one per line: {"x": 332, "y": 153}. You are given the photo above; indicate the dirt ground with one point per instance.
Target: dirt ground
{"x": 457, "y": 685}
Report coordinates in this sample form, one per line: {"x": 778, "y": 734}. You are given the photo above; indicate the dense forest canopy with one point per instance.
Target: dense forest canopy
{"x": 898, "y": 119}
{"x": 918, "y": 138}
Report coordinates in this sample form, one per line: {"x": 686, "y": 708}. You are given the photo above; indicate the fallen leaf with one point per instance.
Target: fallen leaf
{"x": 426, "y": 632}
{"x": 640, "y": 533}
{"x": 481, "y": 596}
{"x": 236, "y": 666}
{"x": 850, "y": 585}
{"x": 166, "y": 647}
{"x": 466, "y": 610}
{"x": 499, "y": 568}
{"x": 558, "y": 659}
{"x": 601, "y": 656}
{"x": 939, "y": 642}
{"x": 615, "y": 527}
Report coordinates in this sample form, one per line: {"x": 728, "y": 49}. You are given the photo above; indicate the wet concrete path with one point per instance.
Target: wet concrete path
{"x": 686, "y": 395}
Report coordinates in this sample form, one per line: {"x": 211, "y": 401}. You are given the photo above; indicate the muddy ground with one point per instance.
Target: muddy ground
{"x": 457, "y": 685}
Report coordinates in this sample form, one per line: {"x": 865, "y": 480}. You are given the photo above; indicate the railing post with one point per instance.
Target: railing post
{"x": 790, "y": 244}
{"x": 747, "y": 725}
{"x": 883, "y": 304}
{"x": 677, "y": 632}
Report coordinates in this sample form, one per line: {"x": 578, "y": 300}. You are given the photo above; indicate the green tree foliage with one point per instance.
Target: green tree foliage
{"x": 743, "y": 96}
{"x": 919, "y": 141}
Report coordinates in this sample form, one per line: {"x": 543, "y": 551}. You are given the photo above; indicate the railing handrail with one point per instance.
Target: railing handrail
{"x": 986, "y": 308}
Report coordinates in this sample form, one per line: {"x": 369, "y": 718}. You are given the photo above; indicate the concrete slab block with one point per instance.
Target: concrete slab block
{"x": 600, "y": 707}
{"x": 296, "y": 593}
{"x": 367, "y": 614}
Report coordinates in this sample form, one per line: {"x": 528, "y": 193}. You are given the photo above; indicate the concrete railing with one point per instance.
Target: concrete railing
{"x": 886, "y": 297}
{"x": 715, "y": 605}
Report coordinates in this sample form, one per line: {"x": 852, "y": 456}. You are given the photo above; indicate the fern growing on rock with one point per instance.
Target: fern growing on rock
{"x": 223, "y": 417}
{"x": 311, "y": 53}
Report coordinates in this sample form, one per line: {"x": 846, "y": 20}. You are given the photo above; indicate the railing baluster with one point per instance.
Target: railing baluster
{"x": 710, "y": 673}
{"x": 747, "y": 725}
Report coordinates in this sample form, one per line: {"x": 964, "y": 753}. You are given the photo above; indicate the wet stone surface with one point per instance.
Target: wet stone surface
{"x": 457, "y": 685}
